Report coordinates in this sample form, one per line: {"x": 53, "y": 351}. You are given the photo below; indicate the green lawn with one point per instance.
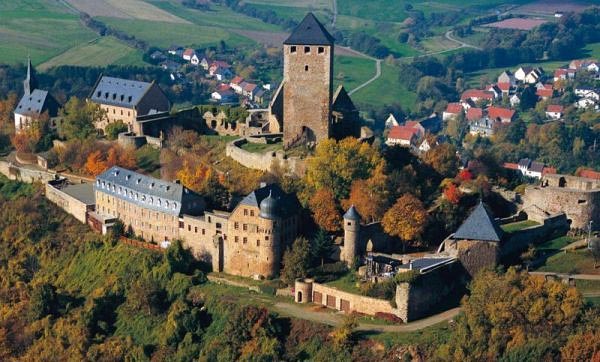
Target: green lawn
{"x": 519, "y": 225}
{"x": 261, "y": 148}
{"x": 218, "y": 16}
{"x": 592, "y": 50}
{"x": 428, "y": 337}
{"x": 577, "y": 262}
{"x": 39, "y": 28}
{"x": 352, "y": 71}
{"x": 347, "y": 283}
{"x": 556, "y": 244}
{"x": 164, "y": 34}
{"x": 99, "y": 52}
{"x": 386, "y": 90}
{"x": 588, "y": 286}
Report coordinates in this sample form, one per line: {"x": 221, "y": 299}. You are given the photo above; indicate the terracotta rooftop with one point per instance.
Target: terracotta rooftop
{"x": 555, "y": 108}
{"x": 502, "y": 113}
{"x": 402, "y": 133}
{"x": 454, "y": 108}
{"x": 477, "y": 93}
{"x": 474, "y": 114}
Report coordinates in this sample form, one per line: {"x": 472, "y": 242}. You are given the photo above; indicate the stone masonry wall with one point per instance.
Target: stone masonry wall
{"x": 579, "y": 206}
{"x": 307, "y": 97}
{"x": 263, "y": 161}
{"x": 24, "y": 174}
{"x": 358, "y": 303}
{"x": 68, "y": 203}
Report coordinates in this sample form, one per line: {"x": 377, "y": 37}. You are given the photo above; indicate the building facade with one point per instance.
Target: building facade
{"x": 133, "y": 102}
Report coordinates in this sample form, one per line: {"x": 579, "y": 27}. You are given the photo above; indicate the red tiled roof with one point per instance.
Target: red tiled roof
{"x": 237, "y": 80}
{"x": 411, "y": 123}
{"x": 223, "y": 87}
{"x": 454, "y": 108}
{"x": 554, "y": 108}
{"x": 477, "y": 93}
{"x": 402, "y": 133}
{"x": 502, "y": 113}
{"x": 590, "y": 174}
{"x": 220, "y": 63}
{"x": 474, "y": 114}
{"x": 511, "y": 166}
{"x": 249, "y": 87}
{"x": 504, "y": 86}
{"x": 549, "y": 170}
{"x": 546, "y": 93}
{"x": 189, "y": 52}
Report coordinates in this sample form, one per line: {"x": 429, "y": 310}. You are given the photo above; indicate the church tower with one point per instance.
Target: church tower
{"x": 307, "y": 83}
{"x": 30, "y": 83}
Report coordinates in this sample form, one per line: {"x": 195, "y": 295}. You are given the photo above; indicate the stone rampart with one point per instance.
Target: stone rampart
{"x": 263, "y": 161}
{"x": 25, "y": 174}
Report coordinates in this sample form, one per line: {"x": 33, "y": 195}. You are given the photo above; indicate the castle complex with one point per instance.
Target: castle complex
{"x": 247, "y": 241}
{"x": 305, "y": 108}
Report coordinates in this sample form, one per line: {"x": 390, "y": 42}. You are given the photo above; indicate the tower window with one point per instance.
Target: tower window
{"x": 306, "y": 50}
{"x": 321, "y": 50}
{"x": 306, "y": 68}
{"x": 293, "y": 49}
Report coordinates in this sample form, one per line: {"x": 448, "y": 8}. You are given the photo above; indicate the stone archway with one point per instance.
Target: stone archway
{"x": 299, "y": 299}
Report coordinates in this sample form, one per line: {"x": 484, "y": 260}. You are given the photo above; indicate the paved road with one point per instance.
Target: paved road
{"x": 462, "y": 44}
{"x": 335, "y": 319}
{"x": 377, "y": 75}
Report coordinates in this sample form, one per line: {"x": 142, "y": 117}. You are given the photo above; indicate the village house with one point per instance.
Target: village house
{"x": 137, "y": 104}
{"x": 507, "y": 77}
{"x": 474, "y": 114}
{"x": 514, "y": 100}
{"x": 503, "y": 115}
{"x": 590, "y": 65}
{"x": 528, "y": 75}
{"x": 220, "y": 70}
{"x": 224, "y": 96}
{"x": 554, "y": 111}
{"x": 194, "y": 59}
{"x": 483, "y": 127}
{"x": 249, "y": 90}
{"x": 564, "y": 74}
{"x": 477, "y": 95}
{"x": 496, "y": 90}
{"x": 405, "y": 136}
{"x": 236, "y": 84}
{"x": 204, "y": 63}
{"x": 391, "y": 121}
{"x": 588, "y": 93}
{"x": 532, "y": 168}
{"x": 188, "y": 54}
{"x": 34, "y": 103}
{"x": 452, "y": 111}
{"x": 176, "y": 50}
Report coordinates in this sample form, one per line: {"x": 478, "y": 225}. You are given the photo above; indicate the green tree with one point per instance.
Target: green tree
{"x": 79, "y": 118}
{"x": 112, "y": 130}
{"x": 321, "y": 246}
{"x": 43, "y": 301}
{"x": 296, "y": 261}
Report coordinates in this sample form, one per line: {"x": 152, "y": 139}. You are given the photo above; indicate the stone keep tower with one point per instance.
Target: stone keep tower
{"x": 351, "y": 235}
{"x": 307, "y": 83}
{"x": 270, "y": 252}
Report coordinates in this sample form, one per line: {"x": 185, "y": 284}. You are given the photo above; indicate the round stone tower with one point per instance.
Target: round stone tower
{"x": 351, "y": 236}
{"x": 270, "y": 251}
{"x": 303, "y": 290}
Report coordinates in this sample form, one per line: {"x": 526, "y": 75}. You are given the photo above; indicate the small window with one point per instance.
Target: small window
{"x": 306, "y": 50}
{"x": 321, "y": 50}
{"x": 306, "y": 68}
{"x": 236, "y": 239}
{"x": 203, "y": 232}
{"x": 293, "y": 49}
{"x": 245, "y": 240}
{"x": 251, "y": 212}
{"x": 257, "y": 242}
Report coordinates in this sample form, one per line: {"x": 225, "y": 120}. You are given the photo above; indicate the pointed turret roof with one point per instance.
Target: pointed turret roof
{"x": 352, "y": 214}
{"x": 480, "y": 225}
{"x": 310, "y": 32}
{"x": 30, "y": 83}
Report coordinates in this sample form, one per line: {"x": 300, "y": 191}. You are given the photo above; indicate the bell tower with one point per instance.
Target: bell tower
{"x": 307, "y": 83}
{"x": 30, "y": 83}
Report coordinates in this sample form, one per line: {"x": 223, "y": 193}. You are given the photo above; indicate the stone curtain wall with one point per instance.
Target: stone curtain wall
{"x": 262, "y": 161}
{"x": 24, "y": 174}
{"x": 358, "y": 303}
{"x": 68, "y": 203}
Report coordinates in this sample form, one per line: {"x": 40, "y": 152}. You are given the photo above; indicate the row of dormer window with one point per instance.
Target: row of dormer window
{"x": 135, "y": 196}
{"x": 114, "y": 96}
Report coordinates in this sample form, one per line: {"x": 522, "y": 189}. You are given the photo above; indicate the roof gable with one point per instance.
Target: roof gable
{"x": 480, "y": 225}
{"x": 36, "y": 103}
{"x": 310, "y": 32}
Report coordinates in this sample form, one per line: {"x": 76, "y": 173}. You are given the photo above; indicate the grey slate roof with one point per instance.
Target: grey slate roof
{"x": 310, "y": 32}
{"x": 36, "y": 103}
{"x": 536, "y": 167}
{"x": 352, "y": 214}
{"x": 480, "y": 225}
{"x": 287, "y": 203}
{"x": 149, "y": 192}
{"x": 423, "y": 264}
{"x": 119, "y": 92}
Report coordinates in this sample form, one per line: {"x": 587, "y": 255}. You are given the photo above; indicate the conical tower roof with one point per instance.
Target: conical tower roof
{"x": 310, "y": 32}
{"x": 30, "y": 83}
{"x": 352, "y": 214}
{"x": 480, "y": 225}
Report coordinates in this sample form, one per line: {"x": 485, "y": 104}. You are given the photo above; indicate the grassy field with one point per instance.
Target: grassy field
{"x": 39, "y": 28}
{"x": 592, "y": 50}
{"x": 352, "y": 71}
{"x": 578, "y": 262}
{"x": 516, "y": 226}
{"x": 99, "y": 52}
{"x": 386, "y": 90}
{"x": 164, "y": 34}
{"x": 261, "y": 148}
{"x": 556, "y": 244}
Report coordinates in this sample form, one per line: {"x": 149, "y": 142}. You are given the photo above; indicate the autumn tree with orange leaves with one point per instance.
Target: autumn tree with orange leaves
{"x": 370, "y": 196}
{"x": 96, "y": 163}
{"x": 406, "y": 219}
{"x": 325, "y": 212}
{"x": 452, "y": 193}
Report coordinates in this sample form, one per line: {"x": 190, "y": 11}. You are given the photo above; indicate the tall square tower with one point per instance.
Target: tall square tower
{"x": 307, "y": 82}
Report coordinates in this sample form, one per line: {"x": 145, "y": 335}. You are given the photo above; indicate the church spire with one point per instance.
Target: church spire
{"x": 30, "y": 83}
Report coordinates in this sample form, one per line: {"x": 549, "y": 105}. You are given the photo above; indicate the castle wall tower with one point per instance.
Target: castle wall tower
{"x": 271, "y": 224}
{"x": 308, "y": 82}
{"x": 351, "y": 236}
